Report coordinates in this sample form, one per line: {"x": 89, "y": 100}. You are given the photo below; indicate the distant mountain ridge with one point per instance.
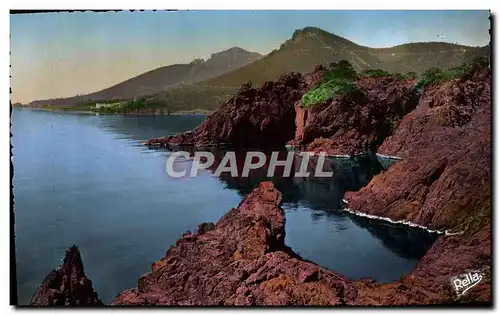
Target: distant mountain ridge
{"x": 164, "y": 78}
{"x": 311, "y": 46}
{"x": 188, "y": 87}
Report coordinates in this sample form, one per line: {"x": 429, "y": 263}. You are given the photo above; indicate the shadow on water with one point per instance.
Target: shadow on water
{"x": 405, "y": 241}
{"x": 107, "y": 186}
{"x": 318, "y": 229}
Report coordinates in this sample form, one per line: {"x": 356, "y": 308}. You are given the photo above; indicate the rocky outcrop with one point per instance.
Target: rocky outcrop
{"x": 67, "y": 286}
{"x": 254, "y": 117}
{"x": 243, "y": 260}
{"x": 444, "y": 178}
{"x": 442, "y": 182}
{"x": 355, "y": 122}
{"x": 272, "y": 116}
{"x": 429, "y": 283}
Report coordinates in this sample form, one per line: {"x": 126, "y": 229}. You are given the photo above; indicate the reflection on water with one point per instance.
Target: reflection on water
{"x": 145, "y": 127}
{"x": 87, "y": 180}
{"x": 319, "y": 230}
{"x": 406, "y": 242}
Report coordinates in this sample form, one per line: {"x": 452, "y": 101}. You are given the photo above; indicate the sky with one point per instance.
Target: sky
{"x": 65, "y": 54}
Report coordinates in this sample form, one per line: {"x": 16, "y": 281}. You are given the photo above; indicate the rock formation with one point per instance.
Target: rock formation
{"x": 242, "y": 260}
{"x": 67, "y": 286}
{"x": 272, "y": 116}
{"x": 254, "y": 117}
{"x": 355, "y": 123}
{"x": 443, "y": 180}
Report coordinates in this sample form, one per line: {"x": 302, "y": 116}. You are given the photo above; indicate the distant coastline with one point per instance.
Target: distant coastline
{"x": 194, "y": 112}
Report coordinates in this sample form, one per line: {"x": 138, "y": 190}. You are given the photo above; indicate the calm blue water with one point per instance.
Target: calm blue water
{"x": 87, "y": 180}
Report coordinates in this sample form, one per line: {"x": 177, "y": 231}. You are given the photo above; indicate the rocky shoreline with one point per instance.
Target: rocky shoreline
{"x": 242, "y": 260}
{"x": 443, "y": 182}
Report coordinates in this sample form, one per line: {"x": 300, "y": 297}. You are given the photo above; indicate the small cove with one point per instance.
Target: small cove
{"x": 87, "y": 180}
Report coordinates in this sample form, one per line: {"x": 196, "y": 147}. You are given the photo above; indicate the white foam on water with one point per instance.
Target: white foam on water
{"x": 389, "y": 156}
{"x": 403, "y": 222}
{"x": 339, "y": 156}
{"x": 293, "y": 147}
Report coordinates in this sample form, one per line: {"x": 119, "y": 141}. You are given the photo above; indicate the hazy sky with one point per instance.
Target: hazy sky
{"x": 64, "y": 54}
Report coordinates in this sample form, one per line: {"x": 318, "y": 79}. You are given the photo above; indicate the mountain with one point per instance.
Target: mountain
{"x": 307, "y": 48}
{"x": 311, "y": 46}
{"x": 165, "y": 78}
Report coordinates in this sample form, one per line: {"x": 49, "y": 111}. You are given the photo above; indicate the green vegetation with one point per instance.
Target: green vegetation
{"x": 410, "y": 75}
{"x": 93, "y": 102}
{"x": 306, "y": 49}
{"x": 379, "y": 73}
{"x": 435, "y": 75}
{"x": 325, "y": 91}
{"x": 190, "y": 98}
{"x": 121, "y": 107}
{"x": 376, "y": 73}
{"x": 337, "y": 80}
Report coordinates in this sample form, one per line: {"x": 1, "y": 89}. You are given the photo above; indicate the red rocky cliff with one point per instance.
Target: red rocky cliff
{"x": 358, "y": 122}
{"x": 442, "y": 182}
{"x": 67, "y": 286}
{"x": 444, "y": 178}
{"x": 242, "y": 260}
{"x": 254, "y": 117}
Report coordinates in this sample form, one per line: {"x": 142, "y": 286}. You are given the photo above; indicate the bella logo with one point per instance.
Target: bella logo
{"x": 466, "y": 281}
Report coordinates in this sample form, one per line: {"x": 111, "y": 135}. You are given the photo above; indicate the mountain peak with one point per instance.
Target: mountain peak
{"x": 232, "y": 51}
{"x": 319, "y": 35}
{"x": 236, "y": 49}
{"x": 310, "y": 32}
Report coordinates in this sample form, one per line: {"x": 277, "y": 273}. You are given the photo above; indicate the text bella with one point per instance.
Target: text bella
{"x": 466, "y": 281}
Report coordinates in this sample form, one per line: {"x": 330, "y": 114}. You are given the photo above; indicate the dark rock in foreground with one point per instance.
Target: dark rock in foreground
{"x": 443, "y": 182}
{"x": 243, "y": 261}
{"x": 67, "y": 286}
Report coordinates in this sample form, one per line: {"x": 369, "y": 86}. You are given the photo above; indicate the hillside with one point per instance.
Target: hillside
{"x": 164, "y": 78}
{"x": 311, "y": 46}
{"x": 306, "y": 49}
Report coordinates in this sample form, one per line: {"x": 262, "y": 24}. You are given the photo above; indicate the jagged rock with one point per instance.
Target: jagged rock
{"x": 244, "y": 261}
{"x": 254, "y": 117}
{"x": 67, "y": 286}
{"x": 353, "y": 124}
{"x": 443, "y": 180}
{"x": 429, "y": 283}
